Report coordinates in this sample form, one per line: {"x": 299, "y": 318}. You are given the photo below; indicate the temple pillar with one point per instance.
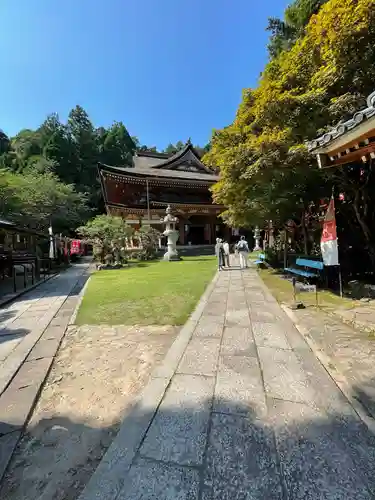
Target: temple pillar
{"x": 207, "y": 232}
{"x": 182, "y": 231}
{"x": 213, "y": 231}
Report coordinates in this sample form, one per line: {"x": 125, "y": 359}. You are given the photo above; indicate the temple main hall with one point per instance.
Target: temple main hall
{"x": 141, "y": 193}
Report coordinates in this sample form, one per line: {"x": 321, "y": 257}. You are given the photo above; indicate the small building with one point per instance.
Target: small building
{"x": 141, "y": 193}
{"x": 350, "y": 146}
{"x": 350, "y": 142}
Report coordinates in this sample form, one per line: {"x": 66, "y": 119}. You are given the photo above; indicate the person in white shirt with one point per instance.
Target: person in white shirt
{"x": 226, "y": 254}
{"x": 219, "y": 252}
{"x": 243, "y": 250}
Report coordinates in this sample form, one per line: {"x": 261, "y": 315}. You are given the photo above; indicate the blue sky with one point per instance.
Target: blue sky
{"x": 169, "y": 69}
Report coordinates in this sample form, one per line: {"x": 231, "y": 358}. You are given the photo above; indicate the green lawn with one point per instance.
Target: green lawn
{"x": 282, "y": 290}
{"x": 161, "y": 293}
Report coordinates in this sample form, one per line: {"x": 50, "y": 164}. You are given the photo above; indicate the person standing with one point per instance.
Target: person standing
{"x": 219, "y": 252}
{"x": 243, "y": 250}
{"x": 226, "y": 254}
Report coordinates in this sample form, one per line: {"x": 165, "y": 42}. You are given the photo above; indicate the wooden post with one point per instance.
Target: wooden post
{"x": 207, "y": 232}
{"x": 213, "y": 233}
{"x": 148, "y": 203}
{"x": 182, "y": 231}
{"x": 340, "y": 282}
{"x": 285, "y": 249}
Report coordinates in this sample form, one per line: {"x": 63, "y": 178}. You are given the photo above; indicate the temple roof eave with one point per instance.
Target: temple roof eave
{"x": 179, "y": 155}
{"x": 179, "y": 207}
{"x": 362, "y": 121}
{"x": 161, "y": 174}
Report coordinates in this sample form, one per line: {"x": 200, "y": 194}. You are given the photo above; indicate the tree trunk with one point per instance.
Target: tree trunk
{"x": 304, "y": 233}
{"x": 365, "y": 228}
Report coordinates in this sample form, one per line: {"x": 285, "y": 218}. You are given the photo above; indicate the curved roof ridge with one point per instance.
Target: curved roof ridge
{"x": 180, "y": 154}
{"x": 163, "y": 173}
{"x": 348, "y": 125}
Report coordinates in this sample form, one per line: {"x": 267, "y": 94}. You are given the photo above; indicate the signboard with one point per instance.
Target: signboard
{"x": 303, "y": 287}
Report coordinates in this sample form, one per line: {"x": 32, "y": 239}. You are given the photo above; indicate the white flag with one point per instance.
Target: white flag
{"x": 328, "y": 242}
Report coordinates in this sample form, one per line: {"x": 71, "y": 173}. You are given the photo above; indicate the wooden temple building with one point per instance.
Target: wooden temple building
{"x": 350, "y": 146}
{"x": 141, "y": 193}
{"x": 350, "y": 142}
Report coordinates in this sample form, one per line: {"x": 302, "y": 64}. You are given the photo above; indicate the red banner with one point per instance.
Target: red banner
{"x": 329, "y": 224}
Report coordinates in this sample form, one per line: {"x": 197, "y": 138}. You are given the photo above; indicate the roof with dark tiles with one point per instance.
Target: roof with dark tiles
{"x": 160, "y": 172}
{"x": 185, "y": 164}
{"x": 358, "y": 118}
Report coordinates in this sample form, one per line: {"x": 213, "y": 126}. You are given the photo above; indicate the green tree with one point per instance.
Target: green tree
{"x": 148, "y": 149}
{"x": 60, "y": 148}
{"x": 35, "y": 199}
{"x": 82, "y": 134}
{"x": 116, "y": 147}
{"x": 148, "y": 239}
{"x": 4, "y": 143}
{"x": 25, "y": 144}
{"x": 203, "y": 150}
{"x": 266, "y": 170}
{"x": 7, "y": 156}
{"x": 70, "y": 153}
{"x": 173, "y": 148}
{"x": 107, "y": 234}
{"x": 286, "y": 32}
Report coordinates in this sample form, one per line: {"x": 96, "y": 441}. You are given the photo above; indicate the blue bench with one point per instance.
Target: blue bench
{"x": 306, "y": 268}
{"x": 261, "y": 259}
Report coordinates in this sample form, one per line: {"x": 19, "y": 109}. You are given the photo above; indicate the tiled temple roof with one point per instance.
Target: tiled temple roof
{"x": 182, "y": 165}
{"x": 159, "y": 172}
{"x": 358, "y": 118}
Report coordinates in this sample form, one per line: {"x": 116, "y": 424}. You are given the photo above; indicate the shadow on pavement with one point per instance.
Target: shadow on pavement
{"x": 7, "y": 334}
{"x": 191, "y": 452}
{"x": 5, "y": 315}
{"x": 57, "y": 286}
{"x": 55, "y": 459}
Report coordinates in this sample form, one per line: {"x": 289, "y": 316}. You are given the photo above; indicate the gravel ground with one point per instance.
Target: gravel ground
{"x": 95, "y": 377}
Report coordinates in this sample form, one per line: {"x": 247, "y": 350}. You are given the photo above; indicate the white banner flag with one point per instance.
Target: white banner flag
{"x": 328, "y": 242}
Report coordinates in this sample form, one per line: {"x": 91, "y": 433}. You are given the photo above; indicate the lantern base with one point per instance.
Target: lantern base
{"x": 171, "y": 257}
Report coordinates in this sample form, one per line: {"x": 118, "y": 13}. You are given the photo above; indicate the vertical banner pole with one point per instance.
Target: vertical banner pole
{"x": 285, "y": 248}
{"x": 339, "y": 266}
{"x": 294, "y": 291}
{"x": 340, "y": 281}
{"x": 148, "y": 203}
{"x": 329, "y": 240}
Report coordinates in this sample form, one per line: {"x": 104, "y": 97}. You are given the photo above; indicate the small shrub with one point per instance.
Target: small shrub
{"x": 148, "y": 238}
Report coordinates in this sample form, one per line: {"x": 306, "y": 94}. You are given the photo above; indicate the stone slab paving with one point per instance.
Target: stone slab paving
{"x": 349, "y": 350}
{"x": 31, "y": 329}
{"x": 245, "y": 412}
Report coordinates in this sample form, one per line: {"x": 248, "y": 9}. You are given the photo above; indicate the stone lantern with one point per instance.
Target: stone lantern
{"x": 257, "y": 239}
{"x": 172, "y": 235}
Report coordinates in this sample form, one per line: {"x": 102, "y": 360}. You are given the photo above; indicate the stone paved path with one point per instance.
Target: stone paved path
{"x": 249, "y": 413}
{"x": 31, "y": 329}
{"x": 350, "y": 351}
